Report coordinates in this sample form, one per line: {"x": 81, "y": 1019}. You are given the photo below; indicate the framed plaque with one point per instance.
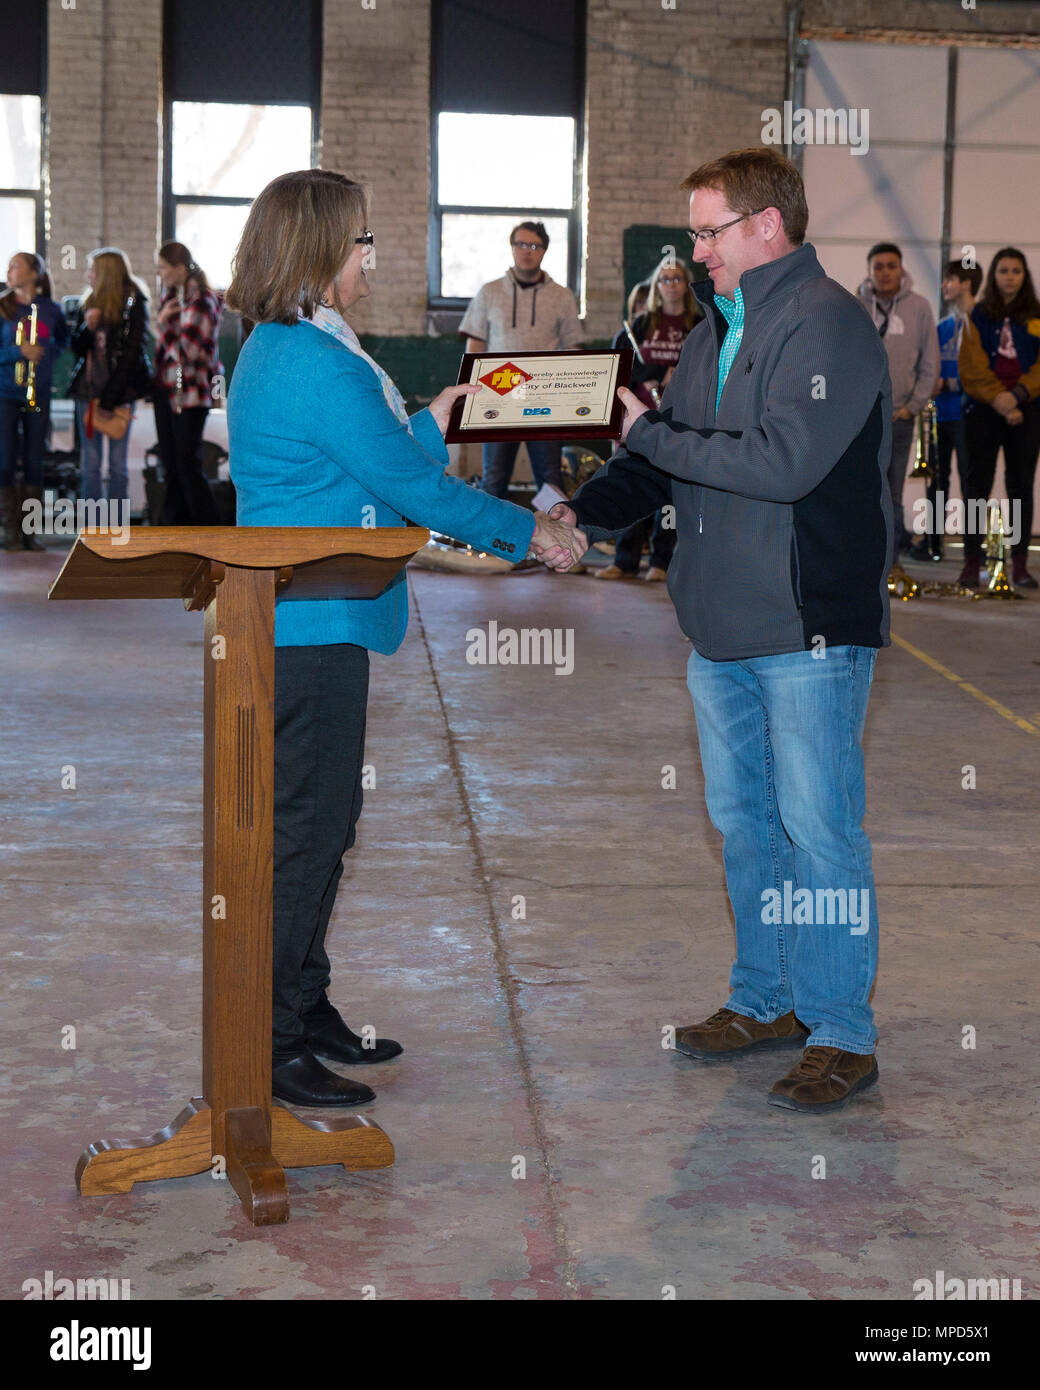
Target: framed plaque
{"x": 541, "y": 395}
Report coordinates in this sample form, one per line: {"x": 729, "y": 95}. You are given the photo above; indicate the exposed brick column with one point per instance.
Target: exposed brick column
{"x": 376, "y": 128}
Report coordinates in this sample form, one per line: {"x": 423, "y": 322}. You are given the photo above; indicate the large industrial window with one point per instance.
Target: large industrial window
{"x": 232, "y": 127}
{"x": 22, "y": 84}
{"x": 507, "y": 100}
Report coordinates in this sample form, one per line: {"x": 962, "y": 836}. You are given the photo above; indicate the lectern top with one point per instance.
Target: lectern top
{"x": 164, "y": 561}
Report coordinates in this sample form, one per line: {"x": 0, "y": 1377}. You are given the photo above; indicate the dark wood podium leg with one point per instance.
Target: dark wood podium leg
{"x": 348, "y": 1139}
{"x": 255, "y": 1175}
{"x": 234, "y": 1121}
{"x": 254, "y": 1163}
{"x": 182, "y": 1148}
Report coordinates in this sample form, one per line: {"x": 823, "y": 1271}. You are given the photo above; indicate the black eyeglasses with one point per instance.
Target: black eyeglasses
{"x": 369, "y": 239}
{"x": 708, "y": 234}
{"x": 528, "y": 245}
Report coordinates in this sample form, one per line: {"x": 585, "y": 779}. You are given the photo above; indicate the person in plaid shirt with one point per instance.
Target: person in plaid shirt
{"x": 186, "y": 361}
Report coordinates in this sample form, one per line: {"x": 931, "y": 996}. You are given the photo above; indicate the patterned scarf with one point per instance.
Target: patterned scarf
{"x": 331, "y": 322}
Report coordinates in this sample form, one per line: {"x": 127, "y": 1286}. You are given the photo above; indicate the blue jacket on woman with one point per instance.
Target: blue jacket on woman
{"x": 314, "y": 443}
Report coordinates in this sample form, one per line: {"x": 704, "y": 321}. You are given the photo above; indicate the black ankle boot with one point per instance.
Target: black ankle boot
{"x": 328, "y": 1036}
{"x": 304, "y": 1081}
{"x": 11, "y": 518}
{"x": 29, "y": 541}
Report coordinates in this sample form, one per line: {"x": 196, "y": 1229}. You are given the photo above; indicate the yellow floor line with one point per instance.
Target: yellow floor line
{"x": 1002, "y": 710}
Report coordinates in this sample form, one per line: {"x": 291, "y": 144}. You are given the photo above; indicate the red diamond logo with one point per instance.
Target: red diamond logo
{"x": 503, "y": 379}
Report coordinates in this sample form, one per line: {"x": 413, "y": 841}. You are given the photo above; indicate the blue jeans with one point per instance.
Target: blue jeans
{"x": 500, "y": 458}
{"x": 90, "y": 461}
{"x": 781, "y": 749}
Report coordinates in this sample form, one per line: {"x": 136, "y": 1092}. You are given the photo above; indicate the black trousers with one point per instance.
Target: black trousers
{"x": 320, "y": 700}
{"x": 189, "y": 501}
{"x": 988, "y": 432}
{"x": 22, "y": 436}
{"x": 629, "y": 548}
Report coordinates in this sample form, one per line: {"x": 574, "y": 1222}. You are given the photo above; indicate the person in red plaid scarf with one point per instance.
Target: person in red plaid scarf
{"x": 186, "y": 362}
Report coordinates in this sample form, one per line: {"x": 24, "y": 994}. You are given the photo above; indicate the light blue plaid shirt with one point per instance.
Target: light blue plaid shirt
{"x": 732, "y": 310}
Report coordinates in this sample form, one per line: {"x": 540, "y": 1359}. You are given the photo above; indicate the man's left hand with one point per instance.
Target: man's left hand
{"x": 634, "y": 407}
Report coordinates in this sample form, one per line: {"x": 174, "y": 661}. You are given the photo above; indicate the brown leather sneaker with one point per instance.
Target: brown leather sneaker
{"x": 826, "y": 1078}
{"x": 727, "y": 1033}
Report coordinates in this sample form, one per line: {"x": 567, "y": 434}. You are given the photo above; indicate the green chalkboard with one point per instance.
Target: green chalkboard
{"x": 642, "y": 246}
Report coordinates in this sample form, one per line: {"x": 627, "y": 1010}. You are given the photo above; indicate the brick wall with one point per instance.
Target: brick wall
{"x": 376, "y": 127}
{"x": 666, "y": 90}
{"x": 103, "y": 146}
{"x": 989, "y": 20}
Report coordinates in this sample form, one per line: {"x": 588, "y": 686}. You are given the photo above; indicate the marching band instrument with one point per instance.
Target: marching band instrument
{"x": 999, "y": 585}
{"x": 939, "y": 590}
{"x": 656, "y": 395}
{"x": 900, "y": 584}
{"x": 25, "y": 371}
{"x": 926, "y": 443}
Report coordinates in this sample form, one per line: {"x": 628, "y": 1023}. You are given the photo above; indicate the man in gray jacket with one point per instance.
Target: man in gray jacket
{"x": 772, "y": 443}
{"x": 906, "y": 325}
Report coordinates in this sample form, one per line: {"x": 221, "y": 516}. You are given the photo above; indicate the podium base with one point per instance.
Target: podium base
{"x": 255, "y": 1164}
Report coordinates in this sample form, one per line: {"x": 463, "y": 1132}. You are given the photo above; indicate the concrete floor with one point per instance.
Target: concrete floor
{"x": 539, "y": 1037}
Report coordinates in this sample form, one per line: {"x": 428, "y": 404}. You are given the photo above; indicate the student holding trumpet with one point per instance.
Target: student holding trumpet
{"x": 32, "y": 335}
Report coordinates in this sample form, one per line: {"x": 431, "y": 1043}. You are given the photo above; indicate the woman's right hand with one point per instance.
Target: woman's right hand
{"x": 556, "y": 543}
{"x": 32, "y": 352}
{"x": 1005, "y": 402}
{"x": 440, "y": 406}
{"x": 92, "y": 318}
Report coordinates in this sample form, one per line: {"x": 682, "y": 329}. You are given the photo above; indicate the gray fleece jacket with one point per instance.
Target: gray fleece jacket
{"x": 782, "y": 506}
{"x": 510, "y": 315}
{"x": 910, "y": 340}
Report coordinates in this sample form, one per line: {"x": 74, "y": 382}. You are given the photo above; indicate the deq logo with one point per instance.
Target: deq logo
{"x": 537, "y": 409}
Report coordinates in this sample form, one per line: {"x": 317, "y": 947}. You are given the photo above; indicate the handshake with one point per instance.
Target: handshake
{"x": 557, "y": 542}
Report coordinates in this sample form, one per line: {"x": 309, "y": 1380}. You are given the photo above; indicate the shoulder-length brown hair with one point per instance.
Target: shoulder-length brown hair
{"x": 1024, "y": 306}
{"x": 299, "y": 232}
{"x": 115, "y": 284}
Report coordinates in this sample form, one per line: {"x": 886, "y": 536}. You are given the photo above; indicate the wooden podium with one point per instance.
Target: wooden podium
{"x": 233, "y": 574}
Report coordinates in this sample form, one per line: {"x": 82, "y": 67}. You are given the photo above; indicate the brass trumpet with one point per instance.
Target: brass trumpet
{"x": 25, "y": 372}
{"x": 926, "y": 443}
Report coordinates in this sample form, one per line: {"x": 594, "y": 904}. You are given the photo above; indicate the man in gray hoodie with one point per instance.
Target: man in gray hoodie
{"x": 905, "y": 322}
{"x": 525, "y": 310}
{"x": 772, "y": 443}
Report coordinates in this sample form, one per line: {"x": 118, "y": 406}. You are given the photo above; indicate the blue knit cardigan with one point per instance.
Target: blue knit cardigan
{"x": 314, "y": 443}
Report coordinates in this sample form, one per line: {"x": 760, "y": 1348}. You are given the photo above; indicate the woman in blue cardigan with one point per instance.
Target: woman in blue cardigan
{"x": 319, "y": 437}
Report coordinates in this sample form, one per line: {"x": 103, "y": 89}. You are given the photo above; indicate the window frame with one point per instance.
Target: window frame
{"x": 172, "y": 201}
{"x": 36, "y": 194}
{"x": 435, "y": 300}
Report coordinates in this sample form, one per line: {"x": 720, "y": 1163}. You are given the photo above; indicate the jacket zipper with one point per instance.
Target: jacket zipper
{"x": 796, "y": 572}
